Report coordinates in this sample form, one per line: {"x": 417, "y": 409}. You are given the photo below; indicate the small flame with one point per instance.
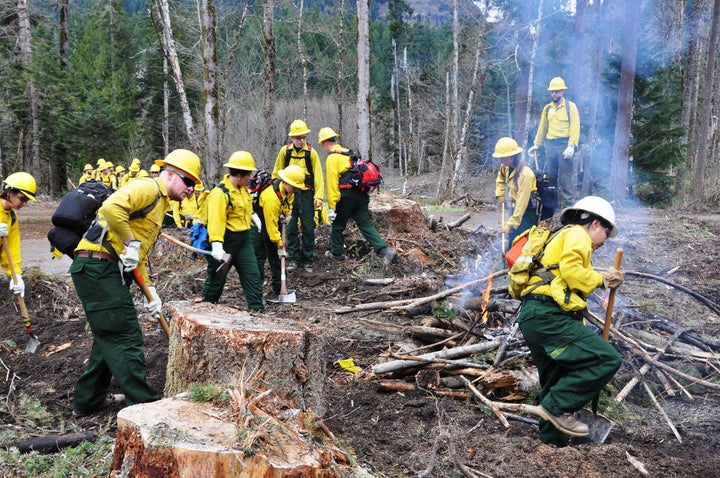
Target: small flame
{"x": 486, "y": 299}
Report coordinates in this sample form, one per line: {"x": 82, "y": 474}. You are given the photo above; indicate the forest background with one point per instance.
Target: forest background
{"x": 83, "y": 79}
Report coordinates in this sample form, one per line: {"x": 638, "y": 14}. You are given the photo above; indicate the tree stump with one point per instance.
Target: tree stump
{"x": 215, "y": 343}
{"x": 394, "y": 214}
{"x": 179, "y": 438}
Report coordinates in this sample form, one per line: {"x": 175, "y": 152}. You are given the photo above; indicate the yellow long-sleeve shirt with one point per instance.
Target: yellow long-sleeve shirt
{"x": 86, "y": 177}
{"x": 13, "y": 239}
{"x": 298, "y": 157}
{"x": 115, "y": 214}
{"x": 558, "y": 122}
{"x": 335, "y": 164}
{"x": 572, "y": 250}
{"x": 221, "y": 216}
{"x": 520, "y": 190}
{"x": 273, "y": 207}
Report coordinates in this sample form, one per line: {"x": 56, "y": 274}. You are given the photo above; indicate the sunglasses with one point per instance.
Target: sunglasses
{"x": 186, "y": 180}
{"x": 23, "y": 198}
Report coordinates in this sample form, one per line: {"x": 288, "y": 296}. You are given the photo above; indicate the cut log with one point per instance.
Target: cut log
{"x": 213, "y": 343}
{"x": 392, "y": 213}
{"x": 53, "y": 443}
{"x": 175, "y": 438}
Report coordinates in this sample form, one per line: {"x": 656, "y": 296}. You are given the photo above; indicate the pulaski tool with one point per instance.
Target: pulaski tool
{"x": 33, "y": 340}
{"x": 285, "y": 296}
{"x": 148, "y": 295}
{"x": 225, "y": 264}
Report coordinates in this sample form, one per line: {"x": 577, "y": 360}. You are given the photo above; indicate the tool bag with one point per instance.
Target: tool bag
{"x": 363, "y": 174}
{"x": 75, "y": 214}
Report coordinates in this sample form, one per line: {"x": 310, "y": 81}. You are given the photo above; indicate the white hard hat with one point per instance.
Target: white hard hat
{"x": 595, "y": 205}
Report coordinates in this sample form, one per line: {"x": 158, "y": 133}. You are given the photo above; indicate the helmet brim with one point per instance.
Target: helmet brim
{"x": 292, "y": 183}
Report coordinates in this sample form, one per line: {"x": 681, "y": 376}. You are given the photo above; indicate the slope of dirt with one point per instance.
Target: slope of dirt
{"x": 410, "y": 433}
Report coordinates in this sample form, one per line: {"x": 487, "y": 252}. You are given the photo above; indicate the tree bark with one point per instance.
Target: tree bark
{"x": 363, "y": 70}
{"x": 269, "y": 77}
{"x": 623, "y": 123}
{"x": 212, "y": 160}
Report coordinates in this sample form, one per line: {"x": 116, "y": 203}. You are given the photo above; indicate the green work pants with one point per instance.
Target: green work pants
{"x": 266, "y": 250}
{"x": 117, "y": 348}
{"x": 239, "y": 245}
{"x": 574, "y": 363}
{"x": 301, "y": 249}
{"x": 353, "y": 204}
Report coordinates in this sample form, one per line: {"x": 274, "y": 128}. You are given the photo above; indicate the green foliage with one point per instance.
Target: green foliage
{"x": 205, "y": 392}
{"x": 443, "y": 311}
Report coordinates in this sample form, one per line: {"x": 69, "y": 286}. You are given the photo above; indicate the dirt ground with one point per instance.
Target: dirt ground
{"x": 411, "y": 433}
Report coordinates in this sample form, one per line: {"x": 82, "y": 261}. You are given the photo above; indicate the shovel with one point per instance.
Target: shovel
{"x": 33, "y": 341}
{"x": 285, "y": 296}
{"x": 225, "y": 264}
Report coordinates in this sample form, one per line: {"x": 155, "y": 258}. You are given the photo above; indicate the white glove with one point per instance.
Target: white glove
{"x": 331, "y": 215}
{"x": 3, "y": 229}
{"x": 217, "y": 251}
{"x": 282, "y": 252}
{"x": 130, "y": 258}
{"x": 153, "y": 307}
{"x": 19, "y": 288}
{"x": 532, "y": 149}
{"x": 284, "y": 219}
{"x": 256, "y": 220}
{"x": 569, "y": 151}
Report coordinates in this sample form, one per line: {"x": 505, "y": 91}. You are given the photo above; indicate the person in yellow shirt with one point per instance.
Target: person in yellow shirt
{"x": 119, "y": 175}
{"x": 128, "y": 224}
{"x": 574, "y": 362}
{"x": 274, "y": 205}
{"x": 189, "y": 206}
{"x": 229, "y": 206}
{"x": 17, "y": 190}
{"x": 301, "y": 241}
{"x": 346, "y": 202}
{"x": 519, "y": 179}
{"x": 559, "y": 133}
{"x": 88, "y": 174}
{"x": 132, "y": 174}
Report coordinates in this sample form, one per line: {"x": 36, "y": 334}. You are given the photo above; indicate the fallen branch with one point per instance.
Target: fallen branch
{"x": 487, "y": 402}
{"x": 459, "y": 222}
{"x": 445, "y": 293}
{"x": 454, "y": 352}
{"x": 662, "y": 412}
{"x": 403, "y": 386}
{"x": 711, "y": 305}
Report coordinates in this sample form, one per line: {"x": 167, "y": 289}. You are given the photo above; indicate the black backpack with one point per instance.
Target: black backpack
{"x": 309, "y": 178}
{"x": 547, "y": 195}
{"x": 75, "y": 214}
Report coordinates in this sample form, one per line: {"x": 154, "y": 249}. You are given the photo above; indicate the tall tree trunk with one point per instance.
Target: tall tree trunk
{"x": 168, "y": 42}
{"x": 363, "y": 67}
{"x": 269, "y": 76}
{"x": 341, "y": 68}
{"x": 303, "y": 60}
{"x": 621, "y": 146}
{"x": 531, "y": 68}
{"x": 441, "y": 184}
{"x": 64, "y": 27}
{"x": 597, "y": 37}
{"x": 703, "y": 136}
{"x": 25, "y": 40}
{"x": 689, "y": 87}
{"x": 210, "y": 89}
{"x": 455, "y": 146}
{"x": 522, "y": 62}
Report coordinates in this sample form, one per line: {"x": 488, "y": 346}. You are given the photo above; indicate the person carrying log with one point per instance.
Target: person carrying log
{"x": 574, "y": 363}
{"x": 127, "y": 225}
{"x": 519, "y": 179}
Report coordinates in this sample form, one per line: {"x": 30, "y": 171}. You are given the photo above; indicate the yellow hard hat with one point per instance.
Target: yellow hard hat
{"x": 326, "y": 133}
{"x": 88, "y": 167}
{"x": 135, "y": 161}
{"x": 23, "y": 182}
{"x": 120, "y": 169}
{"x": 184, "y": 160}
{"x": 557, "y": 83}
{"x": 109, "y": 164}
{"x": 241, "y": 160}
{"x": 154, "y": 168}
{"x": 199, "y": 187}
{"x": 100, "y": 161}
{"x": 101, "y": 164}
{"x": 298, "y": 128}
{"x": 294, "y": 175}
{"x": 135, "y": 167}
{"x": 506, "y": 147}
{"x": 143, "y": 174}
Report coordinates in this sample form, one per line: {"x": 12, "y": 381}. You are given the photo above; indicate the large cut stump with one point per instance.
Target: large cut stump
{"x": 222, "y": 345}
{"x": 179, "y": 438}
{"x": 394, "y": 214}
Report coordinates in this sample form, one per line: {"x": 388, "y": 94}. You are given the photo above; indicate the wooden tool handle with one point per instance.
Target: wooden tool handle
{"x": 611, "y": 298}
{"x": 20, "y": 299}
{"x": 148, "y": 295}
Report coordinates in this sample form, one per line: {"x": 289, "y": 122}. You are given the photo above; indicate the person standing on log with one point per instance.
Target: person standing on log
{"x": 17, "y": 190}
{"x": 230, "y": 215}
{"x": 274, "y": 205}
{"x": 301, "y": 247}
{"x": 559, "y": 133}
{"x": 127, "y": 225}
{"x": 574, "y": 362}
{"x": 345, "y": 203}
{"x": 515, "y": 175}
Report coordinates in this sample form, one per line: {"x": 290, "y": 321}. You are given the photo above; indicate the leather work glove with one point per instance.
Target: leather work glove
{"x": 19, "y": 288}
{"x": 282, "y": 252}
{"x": 317, "y": 203}
{"x": 531, "y": 150}
{"x": 500, "y": 199}
{"x": 3, "y": 229}
{"x": 153, "y": 307}
{"x": 130, "y": 258}
{"x": 217, "y": 251}
{"x": 612, "y": 278}
{"x": 256, "y": 220}
{"x": 331, "y": 215}
{"x": 569, "y": 152}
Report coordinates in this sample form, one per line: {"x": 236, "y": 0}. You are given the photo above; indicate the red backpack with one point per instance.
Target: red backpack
{"x": 363, "y": 173}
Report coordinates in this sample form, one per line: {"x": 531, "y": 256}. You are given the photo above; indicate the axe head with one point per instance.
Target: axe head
{"x": 224, "y": 266}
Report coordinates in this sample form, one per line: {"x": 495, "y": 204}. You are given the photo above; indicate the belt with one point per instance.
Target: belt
{"x": 104, "y": 256}
{"x": 539, "y": 298}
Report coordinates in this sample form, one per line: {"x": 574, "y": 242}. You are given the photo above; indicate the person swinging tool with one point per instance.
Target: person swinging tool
{"x": 517, "y": 176}
{"x": 127, "y": 225}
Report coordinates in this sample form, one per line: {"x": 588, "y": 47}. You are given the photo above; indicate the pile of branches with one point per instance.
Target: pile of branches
{"x": 480, "y": 347}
